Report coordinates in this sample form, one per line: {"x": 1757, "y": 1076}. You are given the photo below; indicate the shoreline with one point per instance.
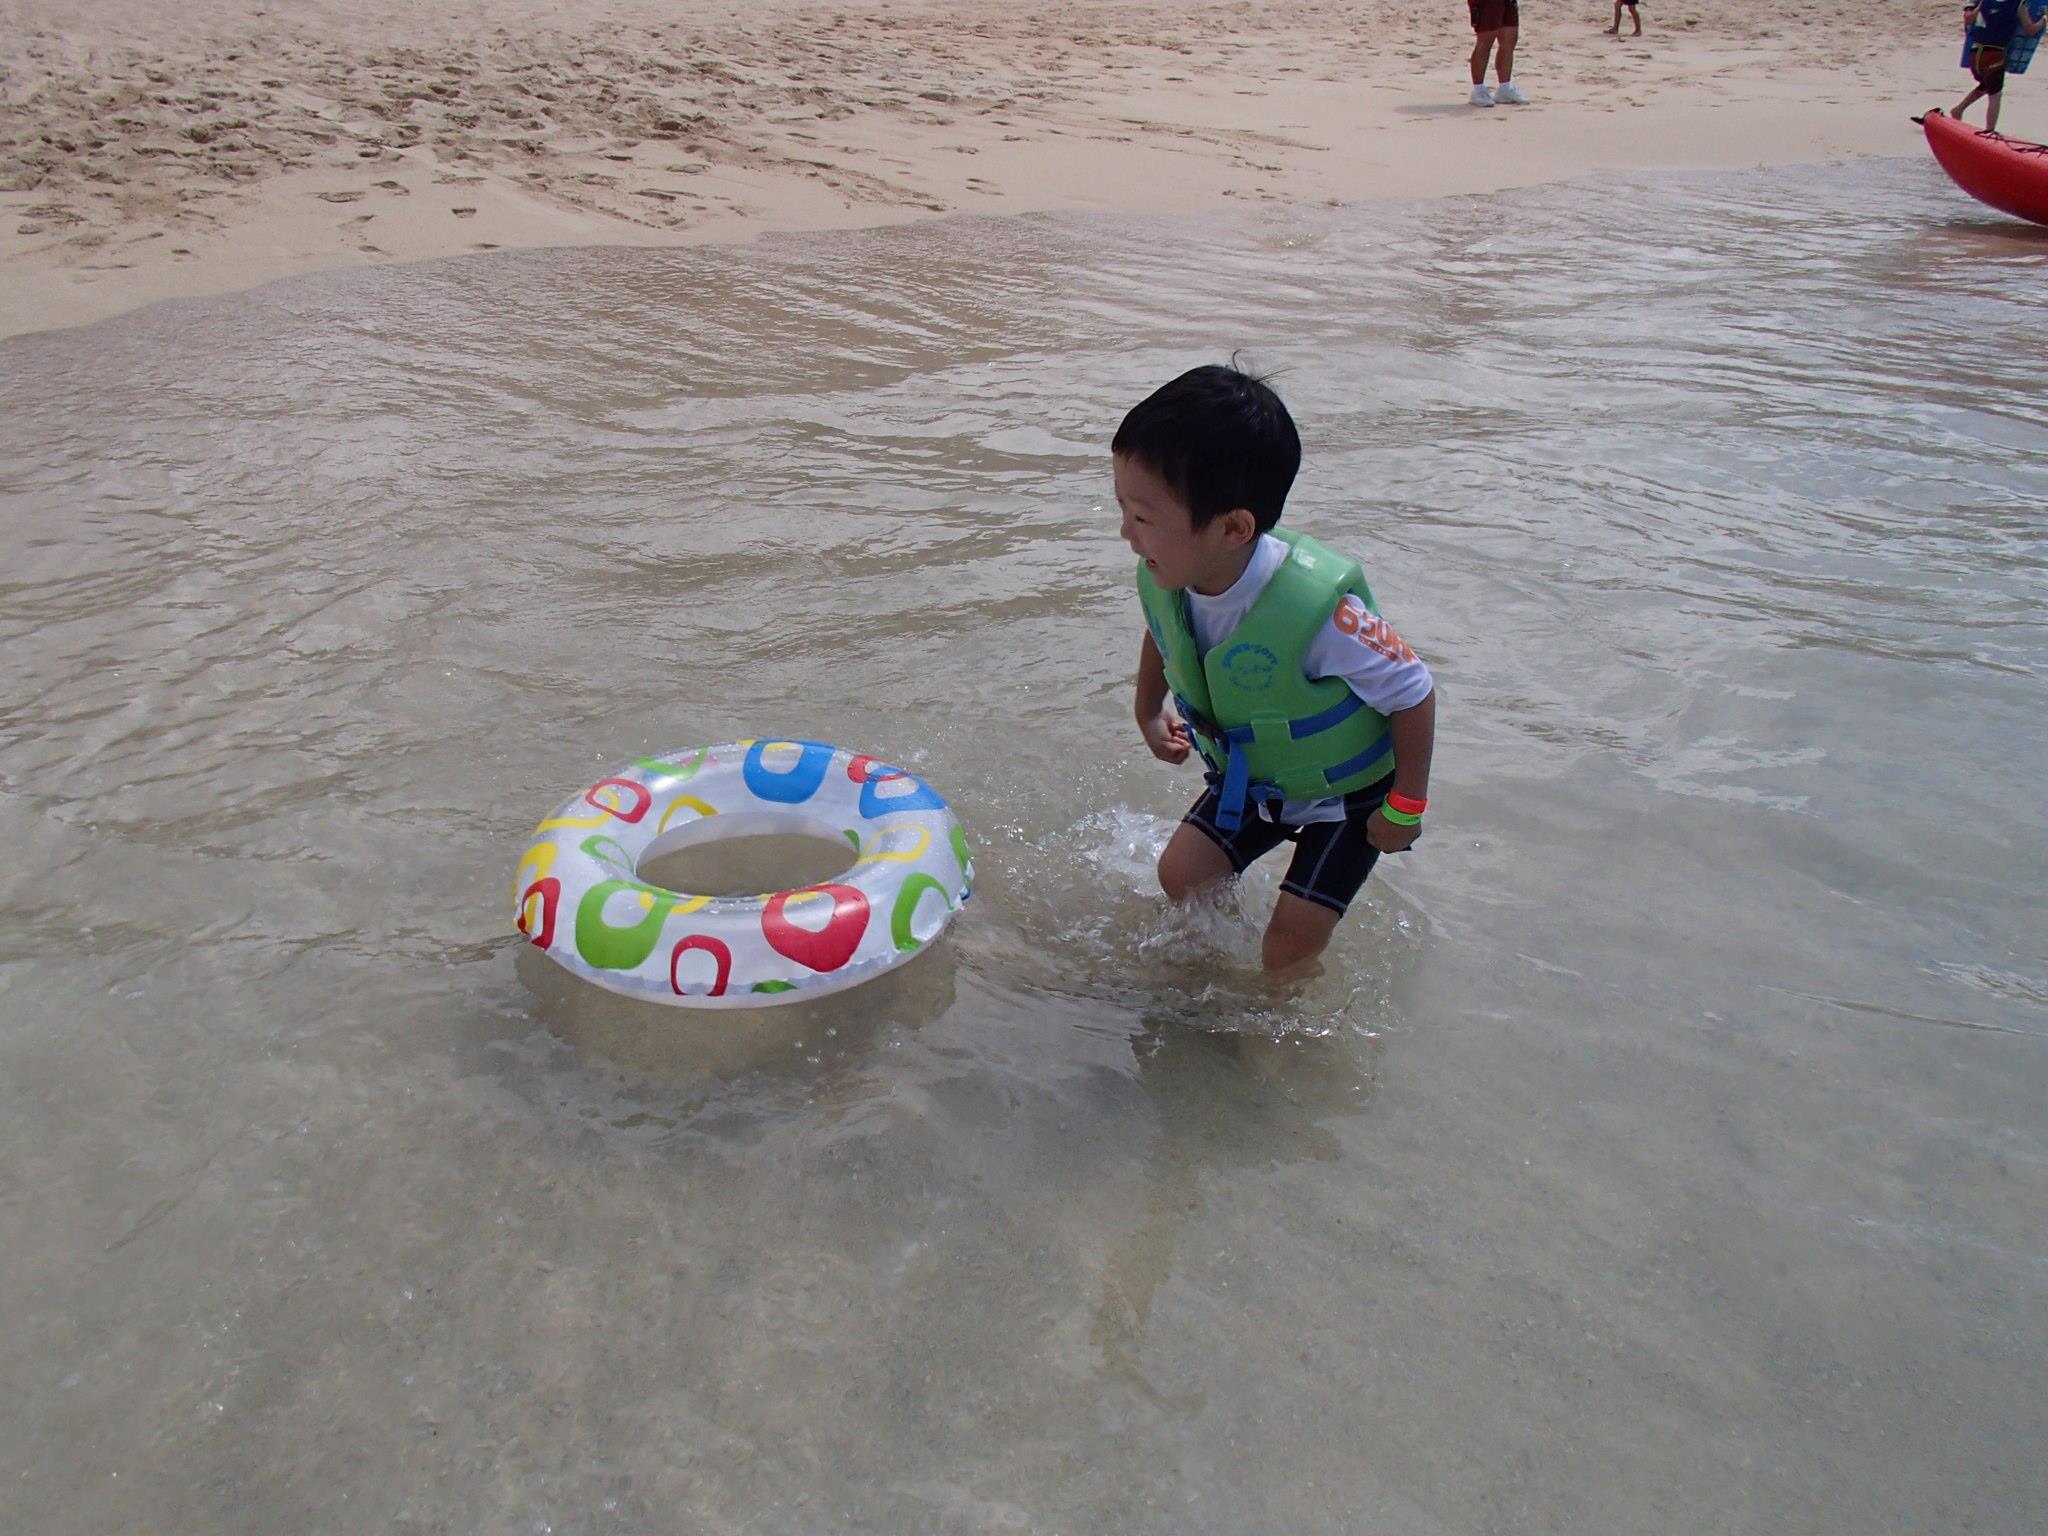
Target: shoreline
{"x": 211, "y": 154}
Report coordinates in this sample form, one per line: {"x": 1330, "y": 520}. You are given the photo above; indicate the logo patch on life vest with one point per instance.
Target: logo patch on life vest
{"x": 1250, "y": 667}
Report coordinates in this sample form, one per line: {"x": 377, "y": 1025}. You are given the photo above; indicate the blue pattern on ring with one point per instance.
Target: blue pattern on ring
{"x": 920, "y": 798}
{"x": 791, "y": 786}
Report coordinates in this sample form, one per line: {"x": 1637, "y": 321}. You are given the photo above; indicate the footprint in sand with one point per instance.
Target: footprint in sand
{"x": 463, "y": 213}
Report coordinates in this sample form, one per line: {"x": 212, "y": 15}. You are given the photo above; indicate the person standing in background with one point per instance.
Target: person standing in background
{"x": 1998, "y": 37}
{"x": 1495, "y": 24}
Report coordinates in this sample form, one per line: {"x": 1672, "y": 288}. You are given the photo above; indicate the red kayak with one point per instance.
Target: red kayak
{"x": 2009, "y": 174}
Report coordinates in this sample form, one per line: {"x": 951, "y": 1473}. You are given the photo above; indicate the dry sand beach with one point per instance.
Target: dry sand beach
{"x": 152, "y": 150}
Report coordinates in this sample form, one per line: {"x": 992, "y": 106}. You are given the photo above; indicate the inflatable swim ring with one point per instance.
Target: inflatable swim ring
{"x": 580, "y": 897}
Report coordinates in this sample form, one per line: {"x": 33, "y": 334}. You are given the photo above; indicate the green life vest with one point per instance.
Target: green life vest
{"x": 1266, "y": 730}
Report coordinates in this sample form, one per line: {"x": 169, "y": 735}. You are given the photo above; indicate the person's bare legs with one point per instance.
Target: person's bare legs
{"x": 1975, "y": 92}
{"x": 1991, "y": 102}
{"x": 1299, "y": 931}
{"x": 1504, "y": 59}
{"x": 1192, "y": 862}
{"x": 1481, "y": 46}
{"x": 1297, "y": 934}
{"x": 1615, "y": 30}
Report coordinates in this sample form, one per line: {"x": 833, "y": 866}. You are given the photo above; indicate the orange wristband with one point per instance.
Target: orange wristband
{"x": 1408, "y": 805}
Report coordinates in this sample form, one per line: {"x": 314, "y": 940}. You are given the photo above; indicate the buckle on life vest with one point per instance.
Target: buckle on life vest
{"x": 1230, "y": 796}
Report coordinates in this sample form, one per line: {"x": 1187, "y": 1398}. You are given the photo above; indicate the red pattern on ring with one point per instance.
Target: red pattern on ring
{"x": 715, "y": 948}
{"x": 828, "y": 948}
{"x": 550, "y": 893}
{"x": 642, "y": 799}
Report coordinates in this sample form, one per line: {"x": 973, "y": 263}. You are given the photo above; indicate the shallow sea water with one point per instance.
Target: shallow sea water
{"x": 1662, "y": 1149}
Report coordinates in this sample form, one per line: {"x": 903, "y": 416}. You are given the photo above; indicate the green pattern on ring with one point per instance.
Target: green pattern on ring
{"x": 774, "y": 986}
{"x": 960, "y": 852}
{"x": 610, "y": 948}
{"x": 906, "y": 906}
{"x": 674, "y": 771}
{"x": 617, "y": 859}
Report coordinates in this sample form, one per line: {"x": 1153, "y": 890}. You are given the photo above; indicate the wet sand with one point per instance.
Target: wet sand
{"x": 150, "y": 151}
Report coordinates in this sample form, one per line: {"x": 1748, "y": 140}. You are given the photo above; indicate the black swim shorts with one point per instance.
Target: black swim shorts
{"x": 1331, "y": 858}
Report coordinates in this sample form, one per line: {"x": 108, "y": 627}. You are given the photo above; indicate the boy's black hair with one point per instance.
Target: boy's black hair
{"x": 1221, "y": 438}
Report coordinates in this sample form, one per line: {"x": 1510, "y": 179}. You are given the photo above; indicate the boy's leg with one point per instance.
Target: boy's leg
{"x": 1300, "y": 930}
{"x": 1191, "y": 862}
{"x": 1480, "y": 48}
{"x": 1504, "y": 56}
{"x": 1200, "y": 853}
{"x": 1975, "y": 92}
{"x": 1637, "y": 17}
{"x": 1987, "y": 68}
{"x": 1330, "y": 863}
{"x": 1616, "y": 28}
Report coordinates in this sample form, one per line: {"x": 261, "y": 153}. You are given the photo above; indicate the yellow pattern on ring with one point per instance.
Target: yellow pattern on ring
{"x": 602, "y": 818}
{"x": 604, "y": 815}
{"x": 687, "y": 800}
{"x": 869, "y": 856}
{"x": 680, "y": 904}
{"x": 540, "y": 858}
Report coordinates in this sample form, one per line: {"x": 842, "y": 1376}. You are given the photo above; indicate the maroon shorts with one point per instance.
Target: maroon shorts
{"x": 1492, "y": 15}
{"x": 1987, "y": 68}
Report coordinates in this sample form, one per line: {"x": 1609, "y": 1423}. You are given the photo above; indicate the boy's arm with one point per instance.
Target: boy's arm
{"x": 1414, "y": 730}
{"x": 1151, "y": 679}
{"x": 1165, "y": 734}
{"x": 1414, "y": 733}
{"x": 1362, "y": 648}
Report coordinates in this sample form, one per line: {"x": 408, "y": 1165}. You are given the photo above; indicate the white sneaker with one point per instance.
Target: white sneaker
{"x": 1508, "y": 94}
{"x": 1481, "y": 96}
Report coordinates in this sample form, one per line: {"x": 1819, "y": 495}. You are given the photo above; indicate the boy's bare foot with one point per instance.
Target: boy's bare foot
{"x": 1614, "y": 31}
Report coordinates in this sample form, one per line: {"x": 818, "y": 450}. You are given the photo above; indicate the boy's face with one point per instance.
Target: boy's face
{"x": 1161, "y": 532}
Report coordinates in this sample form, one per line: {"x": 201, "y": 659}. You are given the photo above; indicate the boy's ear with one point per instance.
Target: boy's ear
{"x": 1239, "y": 527}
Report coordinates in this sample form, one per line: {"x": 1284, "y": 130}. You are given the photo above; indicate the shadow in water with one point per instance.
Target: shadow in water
{"x": 1226, "y": 1103}
{"x": 621, "y": 1065}
{"x": 1992, "y": 235}
{"x": 681, "y": 1044}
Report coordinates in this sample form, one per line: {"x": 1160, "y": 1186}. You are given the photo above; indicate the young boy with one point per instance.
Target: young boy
{"x": 1634, "y": 15}
{"x": 1315, "y": 720}
{"x": 1998, "y": 35}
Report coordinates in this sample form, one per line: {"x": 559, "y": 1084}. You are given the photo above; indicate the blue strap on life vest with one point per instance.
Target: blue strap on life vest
{"x": 1235, "y": 788}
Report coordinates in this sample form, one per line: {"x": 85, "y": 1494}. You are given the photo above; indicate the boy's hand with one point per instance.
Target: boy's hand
{"x": 1167, "y": 735}
{"x": 1387, "y": 837}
